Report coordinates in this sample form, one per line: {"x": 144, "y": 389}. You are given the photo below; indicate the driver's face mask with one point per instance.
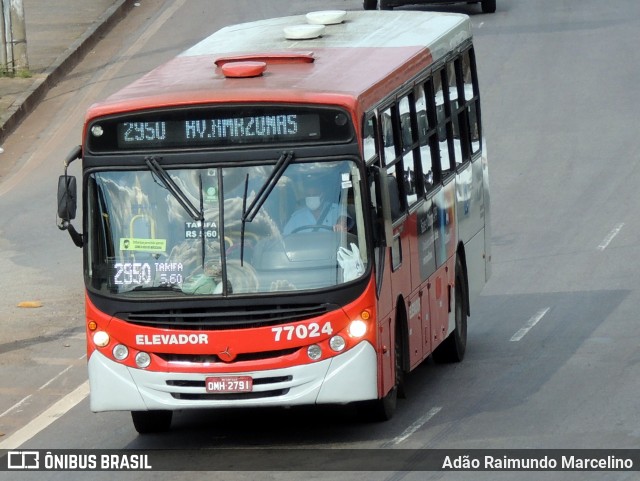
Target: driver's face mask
{"x": 313, "y": 203}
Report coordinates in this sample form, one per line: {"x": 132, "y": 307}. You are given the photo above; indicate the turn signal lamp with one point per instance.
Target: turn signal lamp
{"x": 93, "y": 325}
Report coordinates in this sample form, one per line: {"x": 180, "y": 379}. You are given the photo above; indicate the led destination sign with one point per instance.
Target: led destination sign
{"x": 219, "y": 128}
{"x": 262, "y": 128}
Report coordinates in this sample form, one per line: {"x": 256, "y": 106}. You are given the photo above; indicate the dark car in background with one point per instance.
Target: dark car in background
{"x": 488, "y": 6}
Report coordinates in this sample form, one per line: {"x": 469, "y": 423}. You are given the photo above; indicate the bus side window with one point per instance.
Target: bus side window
{"x": 408, "y": 159}
{"x": 426, "y": 134}
{"x": 456, "y": 105}
{"x": 369, "y": 139}
{"x": 472, "y": 99}
{"x": 442, "y": 113}
{"x": 387, "y": 135}
{"x": 391, "y": 139}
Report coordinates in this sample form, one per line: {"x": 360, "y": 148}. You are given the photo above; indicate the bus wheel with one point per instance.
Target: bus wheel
{"x": 454, "y": 346}
{"x": 379, "y": 410}
{"x": 147, "y": 422}
{"x": 376, "y": 5}
{"x": 488, "y": 6}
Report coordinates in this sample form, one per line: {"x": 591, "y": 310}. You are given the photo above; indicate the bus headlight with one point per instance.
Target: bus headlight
{"x": 143, "y": 360}
{"x": 314, "y": 352}
{"x": 120, "y": 352}
{"x": 337, "y": 343}
{"x": 101, "y": 339}
{"x": 357, "y": 328}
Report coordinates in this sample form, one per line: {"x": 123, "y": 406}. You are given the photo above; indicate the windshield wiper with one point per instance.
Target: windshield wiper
{"x": 175, "y": 190}
{"x": 263, "y": 194}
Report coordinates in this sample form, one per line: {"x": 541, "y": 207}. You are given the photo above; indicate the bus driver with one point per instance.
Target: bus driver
{"x": 317, "y": 211}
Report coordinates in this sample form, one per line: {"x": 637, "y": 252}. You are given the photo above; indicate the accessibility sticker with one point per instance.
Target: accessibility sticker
{"x": 146, "y": 245}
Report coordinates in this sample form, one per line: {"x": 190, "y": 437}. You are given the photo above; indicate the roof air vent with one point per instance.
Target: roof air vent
{"x": 303, "y": 32}
{"x": 245, "y": 69}
{"x": 326, "y": 17}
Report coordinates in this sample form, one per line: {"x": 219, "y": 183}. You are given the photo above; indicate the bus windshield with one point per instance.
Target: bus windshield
{"x": 185, "y": 231}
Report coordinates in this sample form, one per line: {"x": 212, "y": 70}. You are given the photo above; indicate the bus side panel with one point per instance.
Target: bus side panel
{"x": 416, "y": 331}
{"x": 487, "y": 213}
{"x": 476, "y": 266}
{"x": 469, "y": 200}
{"x": 385, "y": 316}
{"x": 439, "y": 306}
{"x": 423, "y": 266}
{"x": 445, "y": 240}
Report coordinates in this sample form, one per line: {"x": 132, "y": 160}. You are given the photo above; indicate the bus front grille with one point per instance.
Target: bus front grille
{"x": 229, "y": 396}
{"x": 243, "y": 317}
{"x": 212, "y": 358}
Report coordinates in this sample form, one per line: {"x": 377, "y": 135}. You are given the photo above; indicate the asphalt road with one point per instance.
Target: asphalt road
{"x": 553, "y": 358}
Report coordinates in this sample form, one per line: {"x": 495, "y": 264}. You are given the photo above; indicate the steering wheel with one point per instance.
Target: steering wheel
{"x": 312, "y": 227}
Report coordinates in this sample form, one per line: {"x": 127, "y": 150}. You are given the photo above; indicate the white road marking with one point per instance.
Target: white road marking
{"x": 26, "y": 398}
{"x": 607, "y": 240}
{"x": 416, "y": 425}
{"x": 56, "y": 411}
{"x": 529, "y": 325}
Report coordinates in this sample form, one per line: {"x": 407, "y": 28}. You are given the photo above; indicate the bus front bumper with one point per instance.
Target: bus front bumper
{"x": 348, "y": 377}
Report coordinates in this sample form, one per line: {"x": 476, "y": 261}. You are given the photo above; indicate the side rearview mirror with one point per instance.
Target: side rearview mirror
{"x": 67, "y": 197}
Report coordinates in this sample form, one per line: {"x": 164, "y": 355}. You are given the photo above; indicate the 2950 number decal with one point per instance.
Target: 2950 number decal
{"x": 301, "y": 331}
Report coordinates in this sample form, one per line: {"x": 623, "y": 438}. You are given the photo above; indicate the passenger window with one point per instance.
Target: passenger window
{"x": 394, "y": 194}
{"x": 405, "y": 123}
{"x": 472, "y": 99}
{"x": 410, "y": 184}
{"x": 387, "y": 135}
{"x": 425, "y": 133}
{"x": 442, "y": 107}
{"x": 408, "y": 144}
{"x": 455, "y": 103}
{"x": 369, "y": 139}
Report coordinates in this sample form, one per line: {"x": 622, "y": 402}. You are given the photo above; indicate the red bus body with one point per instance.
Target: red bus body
{"x": 416, "y": 260}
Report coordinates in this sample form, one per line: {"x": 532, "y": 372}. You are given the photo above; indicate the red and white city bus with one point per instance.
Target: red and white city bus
{"x": 294, "y": 211}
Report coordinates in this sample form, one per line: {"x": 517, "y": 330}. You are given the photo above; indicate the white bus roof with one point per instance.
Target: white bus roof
{"x": 438, "y": 32}
{"x": 353, "y": 62}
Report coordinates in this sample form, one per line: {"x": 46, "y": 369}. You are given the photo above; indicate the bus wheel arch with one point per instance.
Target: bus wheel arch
{"x": 462, "y": 258}
{"x": 384, "y": 408}
{"x": 401, "y": 347}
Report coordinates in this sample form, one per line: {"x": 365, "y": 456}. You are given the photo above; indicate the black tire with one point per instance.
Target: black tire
{"x": 454, "y": 346}
{"x": 488, "y": 6}
{"x": 377, "y": 5}
{"x": 147, "y": 422}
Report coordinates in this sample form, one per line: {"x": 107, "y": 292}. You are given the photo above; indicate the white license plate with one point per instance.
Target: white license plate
{"x": 229, "y": 384}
